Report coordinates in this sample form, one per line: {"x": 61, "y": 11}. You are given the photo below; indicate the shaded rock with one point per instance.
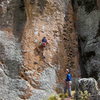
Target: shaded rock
{"x": 88, "y": 29}
{"x": 88, "y": 84}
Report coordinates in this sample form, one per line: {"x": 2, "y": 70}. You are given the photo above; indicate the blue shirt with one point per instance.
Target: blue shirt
{"x": 44, "y": 40}
{"x": 68, "y": 77}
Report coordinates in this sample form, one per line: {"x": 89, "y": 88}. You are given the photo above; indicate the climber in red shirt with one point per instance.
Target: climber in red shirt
{"x": 44, "y": 42}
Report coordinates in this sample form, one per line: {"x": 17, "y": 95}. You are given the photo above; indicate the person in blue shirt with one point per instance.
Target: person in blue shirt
{"x": 68, "y": 82}
{"x": 44, "y": 39}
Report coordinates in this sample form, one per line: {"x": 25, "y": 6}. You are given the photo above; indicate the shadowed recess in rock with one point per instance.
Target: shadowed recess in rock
{"x": 2, "y": 52}
{"x": 42, "y": 4}
{"x": 13, "y": 68}
{"x": 88, "y": 55}
{"x": 19, "y": 19}
{"x": 94, "y": 74}
{"x": 89, "y": 5}
{"x": 81, "y": 60}
{"x": 98, "y": 32}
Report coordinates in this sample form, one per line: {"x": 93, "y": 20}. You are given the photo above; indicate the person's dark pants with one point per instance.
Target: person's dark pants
{"x": 68, "y": 88}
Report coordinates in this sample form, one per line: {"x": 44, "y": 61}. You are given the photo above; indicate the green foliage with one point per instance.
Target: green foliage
{"x": 53, "y": 97}
{"x": 60, "y": 96}
{"x": 84, "y": 95}
{"x": 63, "y": 95}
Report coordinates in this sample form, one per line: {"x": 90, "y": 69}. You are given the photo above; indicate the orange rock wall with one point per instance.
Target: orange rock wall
{"x": 38, "y": 70}
{"x": 58, "y": 27}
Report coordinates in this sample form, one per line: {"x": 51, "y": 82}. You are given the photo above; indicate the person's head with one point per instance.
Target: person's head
{"x": 67, "y": 71}
{"x": 44, "y": 37}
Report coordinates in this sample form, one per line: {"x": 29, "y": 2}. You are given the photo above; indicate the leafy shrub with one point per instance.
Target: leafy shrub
{"x": 84, "y": 95}
{"x": 60, "y": 96}
{"x": 53, "y": 97}
{"x": 63, "y": 95}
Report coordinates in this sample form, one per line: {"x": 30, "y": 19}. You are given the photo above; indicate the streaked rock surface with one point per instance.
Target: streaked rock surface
{"x": 24, "y": 73}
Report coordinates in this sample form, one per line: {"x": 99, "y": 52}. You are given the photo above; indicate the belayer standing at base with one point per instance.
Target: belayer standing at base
{"x": 68, "y": 83}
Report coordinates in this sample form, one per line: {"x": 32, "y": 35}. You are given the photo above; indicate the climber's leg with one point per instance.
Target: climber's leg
{"x": 69, "y": 88}
{"x": 65, "y": 87}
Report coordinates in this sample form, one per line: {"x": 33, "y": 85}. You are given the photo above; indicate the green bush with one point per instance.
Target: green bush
{"x": 84, "y": 95}
{"x": 63, "y": 95}
{"x": 60, "y": 96}
{"x": 53, "y": 97}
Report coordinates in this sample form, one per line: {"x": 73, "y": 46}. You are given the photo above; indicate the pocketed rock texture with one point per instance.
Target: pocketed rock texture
{"x": 28, "y": 71}
{"x": 88, "y": 29}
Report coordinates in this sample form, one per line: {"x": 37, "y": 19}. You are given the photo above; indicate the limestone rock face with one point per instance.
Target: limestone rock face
{"x": 88, "y": 29}
{"x": 28, "y": 71}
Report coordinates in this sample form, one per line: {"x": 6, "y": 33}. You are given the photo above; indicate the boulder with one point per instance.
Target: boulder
{"x": 89, "y": 84}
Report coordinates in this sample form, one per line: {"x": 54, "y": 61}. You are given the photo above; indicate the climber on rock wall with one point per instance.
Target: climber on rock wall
{"x": 44, "y": 42}
{"x": 68, "y": 82}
